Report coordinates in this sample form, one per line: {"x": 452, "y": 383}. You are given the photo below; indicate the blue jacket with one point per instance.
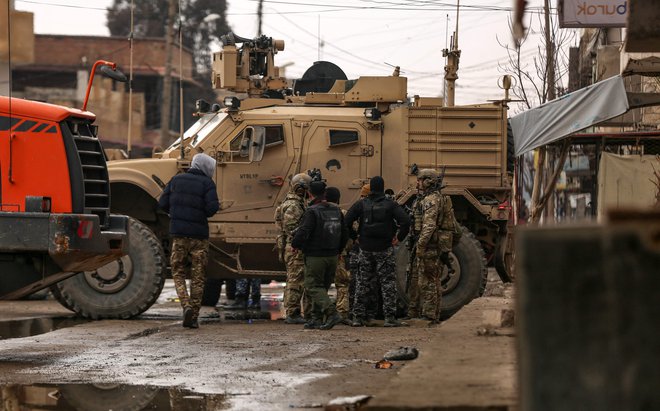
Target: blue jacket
{"x": 189, "y": 199}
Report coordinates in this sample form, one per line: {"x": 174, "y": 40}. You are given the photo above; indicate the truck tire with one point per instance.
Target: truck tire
{"x": 58, "y": 297}
{"x": 122, "y": 289}
{"x": 101, "y": 397}
{"x": 212, "y": 288}
{"x": 466, "y": 284}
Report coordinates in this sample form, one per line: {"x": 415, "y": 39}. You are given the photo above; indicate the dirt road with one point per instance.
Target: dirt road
{"x": 263, "y": 364}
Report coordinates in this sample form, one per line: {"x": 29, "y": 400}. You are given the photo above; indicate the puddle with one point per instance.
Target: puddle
{"x": 36, "y": 326}
{"x": 104, "y": 397}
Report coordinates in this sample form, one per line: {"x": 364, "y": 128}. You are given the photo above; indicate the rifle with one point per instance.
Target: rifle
{"x": 411, "y": 246}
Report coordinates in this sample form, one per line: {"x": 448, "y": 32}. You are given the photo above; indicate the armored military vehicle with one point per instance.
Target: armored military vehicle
{"x": 351, "y": 130}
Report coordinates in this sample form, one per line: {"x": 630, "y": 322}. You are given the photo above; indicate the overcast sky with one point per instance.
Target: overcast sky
{"x": 363, "y": 37}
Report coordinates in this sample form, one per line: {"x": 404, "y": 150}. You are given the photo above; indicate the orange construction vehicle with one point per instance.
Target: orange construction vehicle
{"x": 55, "y": 217}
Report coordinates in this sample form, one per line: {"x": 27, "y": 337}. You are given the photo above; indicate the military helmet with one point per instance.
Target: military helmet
{"x": 301, "y": 180}
{"x": 427, "y": 173}
{"x": 429, "y": 177}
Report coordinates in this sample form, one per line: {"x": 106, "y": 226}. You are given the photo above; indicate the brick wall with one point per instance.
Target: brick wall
{"x": 83, "y": 51}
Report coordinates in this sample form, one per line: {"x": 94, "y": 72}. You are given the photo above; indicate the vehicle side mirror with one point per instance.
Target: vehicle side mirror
{"x": 246, "y": 142}
{"x": 258, "y": 143}
{"x": 115, "y": 74}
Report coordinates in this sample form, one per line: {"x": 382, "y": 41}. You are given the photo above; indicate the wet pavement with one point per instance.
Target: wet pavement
{"x": 251, "y": 361}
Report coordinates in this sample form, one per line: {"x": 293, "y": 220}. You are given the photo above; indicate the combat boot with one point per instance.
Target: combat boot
{"x": 188, "y": 317}
{"x": 357, "y": 323}
{"x": 240, "y": 304}
{"x": 294, "y": 319}
{"x": 194, "y": 323}
{"x": 313, "y": 325}
{"x": 333, "y": 320}
{"x": 393, "y": 322}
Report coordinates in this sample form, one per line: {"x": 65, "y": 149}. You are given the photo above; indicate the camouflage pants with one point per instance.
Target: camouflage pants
{"x": 342, "y": 283}
{"x": 372, "y": 288}
{"x": 182, "y": 248}
{"x": 294, "y": 292}
{"x": 413, "y": 290}
{"x": 244, "y": 286}
{"x": 376, "y": 267}
{"x": 429, "y": 284}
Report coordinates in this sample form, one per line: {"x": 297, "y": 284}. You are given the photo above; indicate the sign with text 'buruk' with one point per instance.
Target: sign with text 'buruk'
{"x": 593, "y": 13}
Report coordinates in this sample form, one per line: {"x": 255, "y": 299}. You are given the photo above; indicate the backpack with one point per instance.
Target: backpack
{"x": 329, "y": 222}
{"x": 377, "y": 218}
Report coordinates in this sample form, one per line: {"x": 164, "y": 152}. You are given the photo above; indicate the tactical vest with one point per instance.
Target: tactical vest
{"x": 377, "y": 219}
{"x": 327, "y": 233}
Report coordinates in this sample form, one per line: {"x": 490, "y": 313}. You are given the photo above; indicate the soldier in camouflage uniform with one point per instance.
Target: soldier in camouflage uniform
{"x": 379, "y": 218}
{"x": 190, "y": 198}
{"x": 413, "y": 272}
{"x": 342, "y": 276}
{"x": 287, "y": 218}
{"x": 436, "y": 226}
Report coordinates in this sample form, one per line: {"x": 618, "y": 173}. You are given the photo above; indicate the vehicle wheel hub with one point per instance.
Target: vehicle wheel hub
{"x": 112, "y": 277}
{"x": 447, "y": 281}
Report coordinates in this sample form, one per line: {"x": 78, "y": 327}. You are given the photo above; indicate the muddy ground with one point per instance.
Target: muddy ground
{"x": 256, "y": 364}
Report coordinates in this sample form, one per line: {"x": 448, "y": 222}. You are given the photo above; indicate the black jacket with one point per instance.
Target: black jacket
{"x": 312, "y": 236}
{"x": 378, "y": 239}
{"x": 190, "y": 198}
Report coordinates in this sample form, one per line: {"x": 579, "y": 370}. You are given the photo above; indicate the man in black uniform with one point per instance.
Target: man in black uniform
{"x": 321, "y": 236}
{"x": 379, "y": 217}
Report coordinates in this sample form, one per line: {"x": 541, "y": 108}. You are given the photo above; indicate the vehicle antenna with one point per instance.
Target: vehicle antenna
{"x": 453, "y": 55}
{"x": 183, "y": 153}
{"x": 130, "y": 85}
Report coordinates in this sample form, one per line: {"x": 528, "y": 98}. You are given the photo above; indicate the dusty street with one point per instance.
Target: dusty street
{"x": 255, "y": 364}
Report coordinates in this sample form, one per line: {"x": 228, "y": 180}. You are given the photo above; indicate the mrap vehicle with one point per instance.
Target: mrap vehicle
{"x": 350, "y": 129}
{"x": 56, "y": 229}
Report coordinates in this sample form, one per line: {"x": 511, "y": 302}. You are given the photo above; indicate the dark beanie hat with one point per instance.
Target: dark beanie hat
{"x": 317, "y": 188}
{"x": 332, "y": 195}
{"x": 377, "y": 184}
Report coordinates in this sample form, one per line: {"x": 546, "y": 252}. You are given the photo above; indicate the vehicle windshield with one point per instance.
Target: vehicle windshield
{"x": 202, "y": 128}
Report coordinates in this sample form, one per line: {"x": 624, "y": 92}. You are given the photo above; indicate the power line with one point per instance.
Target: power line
{"x": 62, "y": 5}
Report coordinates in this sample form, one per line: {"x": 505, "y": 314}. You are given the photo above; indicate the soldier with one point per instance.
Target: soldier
{"x": 288, "y": 217}
{"x": 354, "y": 268}
{"x": 190, "y": 198}
{"x": 413, "y": 272}
{"x": 379, "y": 217}
{"x": 321, "y": 236}
{"x": 247, "y": 288}
{"x": 342, "y": 276}
{"x": 436, "y": 226}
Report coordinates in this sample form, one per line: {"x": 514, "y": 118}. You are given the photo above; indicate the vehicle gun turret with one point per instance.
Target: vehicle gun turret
{"x": 250, "y": 68}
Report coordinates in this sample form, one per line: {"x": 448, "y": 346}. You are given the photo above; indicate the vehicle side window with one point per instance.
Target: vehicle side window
{"x": 274, "y": 136}
{"x": 339, "y": 137}
{"x": 235, "y": 144}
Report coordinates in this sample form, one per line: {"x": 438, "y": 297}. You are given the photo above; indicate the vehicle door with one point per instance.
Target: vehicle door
{"x": 253, "y": 164}
{"x": 338, "y": 150}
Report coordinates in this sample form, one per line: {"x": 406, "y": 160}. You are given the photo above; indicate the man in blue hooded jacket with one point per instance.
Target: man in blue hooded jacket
{"x": 190, "y": 199}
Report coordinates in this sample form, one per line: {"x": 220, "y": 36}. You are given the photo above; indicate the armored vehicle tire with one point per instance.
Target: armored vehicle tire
{"x": 466, "y": 284}
{"x": 212, "y": 288}
{"x": 98, "y": 397}
{"x": 122, "y": 289}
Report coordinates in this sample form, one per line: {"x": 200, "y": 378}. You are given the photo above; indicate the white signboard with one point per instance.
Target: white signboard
{"x": 593, "y": 13}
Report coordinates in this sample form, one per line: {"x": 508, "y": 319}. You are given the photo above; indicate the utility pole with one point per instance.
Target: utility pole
{"x": 542, "y": 155}
{"x": 260, "y": 14}
{"x": 545, "y": 163}
{"x": 166, "y": 108}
